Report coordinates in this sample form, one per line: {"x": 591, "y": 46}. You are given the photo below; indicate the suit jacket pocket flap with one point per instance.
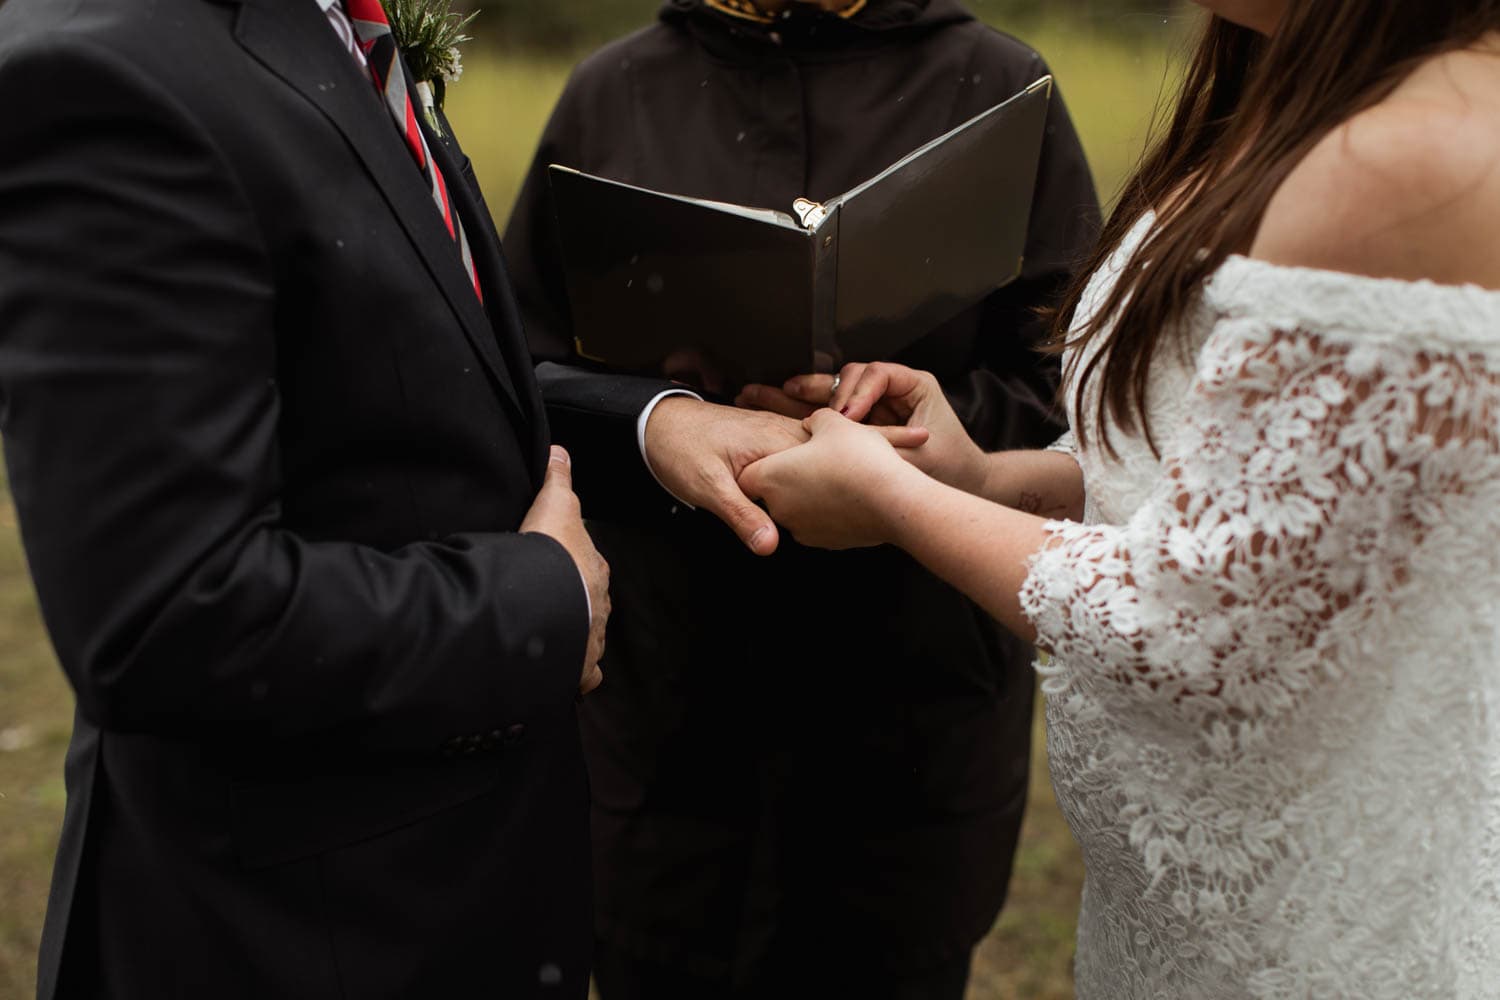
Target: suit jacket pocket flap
{"x": 281, "y": 820}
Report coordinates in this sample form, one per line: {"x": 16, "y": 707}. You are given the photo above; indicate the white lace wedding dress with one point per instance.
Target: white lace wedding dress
{"x": 1273, "y": 708}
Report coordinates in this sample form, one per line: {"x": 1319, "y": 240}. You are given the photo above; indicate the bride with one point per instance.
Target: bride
{"x": 1273, "y": 690}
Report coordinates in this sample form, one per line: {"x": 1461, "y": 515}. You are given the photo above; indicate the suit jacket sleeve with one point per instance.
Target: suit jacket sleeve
{"x": 138, "y": 361}
{"x": 1007, "y": 398}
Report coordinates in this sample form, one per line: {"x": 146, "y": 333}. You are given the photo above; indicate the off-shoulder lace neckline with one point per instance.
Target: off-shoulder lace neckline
{"x": 1245, "y": 286}
{"x": 1340, "y": 301}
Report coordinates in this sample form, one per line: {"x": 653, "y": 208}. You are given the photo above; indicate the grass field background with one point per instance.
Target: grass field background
{"x": 1111, "y": 80}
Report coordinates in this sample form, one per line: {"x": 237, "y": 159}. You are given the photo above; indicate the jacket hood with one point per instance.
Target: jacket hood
{"x": 817, "y": 29}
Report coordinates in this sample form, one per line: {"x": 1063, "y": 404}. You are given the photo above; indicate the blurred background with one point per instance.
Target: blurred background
{"x": 1113, "y": 60}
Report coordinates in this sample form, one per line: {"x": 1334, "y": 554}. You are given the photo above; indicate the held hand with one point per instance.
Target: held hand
{"x": 800, "y": 397}
{"x": 774, "y": 400}
{"x": 556, "y": 513}
{"x": 891, "y": 394}
{"x": 839, "y": 490}
{"x": 698, "y": 449}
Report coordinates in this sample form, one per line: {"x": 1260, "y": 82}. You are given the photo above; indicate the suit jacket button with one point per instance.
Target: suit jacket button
{"x": 513, "y": 734}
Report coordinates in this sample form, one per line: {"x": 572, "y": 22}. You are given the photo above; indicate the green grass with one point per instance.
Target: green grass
{"x": 36, "y": 714}
{"x": 499, "y": 108}
{"x": 1111, "y": 88}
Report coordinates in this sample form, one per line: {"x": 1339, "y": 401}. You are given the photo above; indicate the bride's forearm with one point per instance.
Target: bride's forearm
{"x": 1045, "y": 483}
{"x": 979, "y": 547}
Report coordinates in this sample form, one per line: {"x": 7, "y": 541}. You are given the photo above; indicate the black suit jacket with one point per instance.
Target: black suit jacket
{"x": 269, "y": 455}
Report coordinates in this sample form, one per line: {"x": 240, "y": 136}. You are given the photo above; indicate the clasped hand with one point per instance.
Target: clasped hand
{"x": 701, "y": 451}
{"x": 556, "y": 513}
{"x": 845, "y": 488}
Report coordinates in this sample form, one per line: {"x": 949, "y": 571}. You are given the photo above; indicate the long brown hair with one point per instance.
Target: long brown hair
{"x": 1249, "y": 110}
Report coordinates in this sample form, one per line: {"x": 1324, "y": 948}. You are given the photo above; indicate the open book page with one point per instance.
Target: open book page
{"x": 759, "y": 294}
{"x": 938, "y": 230}
{"x": 767, "y": 215}
{"x": 653, "y": 277}
{"x": 1041, "y": 86}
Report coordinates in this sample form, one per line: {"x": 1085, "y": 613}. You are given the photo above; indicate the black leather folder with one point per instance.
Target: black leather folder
{"x": 758, "y": 295}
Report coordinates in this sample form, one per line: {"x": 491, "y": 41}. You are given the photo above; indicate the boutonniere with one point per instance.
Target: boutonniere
{"x": 428, "y": 33}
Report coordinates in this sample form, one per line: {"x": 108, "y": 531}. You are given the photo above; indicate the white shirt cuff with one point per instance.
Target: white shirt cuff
{"x": 640, "y": 440}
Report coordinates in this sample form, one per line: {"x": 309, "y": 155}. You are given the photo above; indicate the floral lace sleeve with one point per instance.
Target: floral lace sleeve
{"x": 1322, "y": 472}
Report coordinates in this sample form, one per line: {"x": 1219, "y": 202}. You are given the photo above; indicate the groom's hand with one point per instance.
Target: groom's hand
{"x": 556, "y": 513}
{"x": 698, "y": 450}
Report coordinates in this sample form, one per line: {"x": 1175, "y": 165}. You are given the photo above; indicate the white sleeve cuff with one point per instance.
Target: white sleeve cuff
{"x": 640, "y": 440}
{"x": 1065, "y": 445}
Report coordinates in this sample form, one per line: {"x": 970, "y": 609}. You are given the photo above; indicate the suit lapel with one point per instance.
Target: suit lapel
{"x": 293, "y": 41}
{"x": 504, "y": 315}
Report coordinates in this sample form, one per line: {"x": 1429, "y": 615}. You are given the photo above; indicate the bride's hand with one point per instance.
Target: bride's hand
{"x": 836, "y": 491}
{"x": 802, "y": 396}
{"x": 891, "y": 394}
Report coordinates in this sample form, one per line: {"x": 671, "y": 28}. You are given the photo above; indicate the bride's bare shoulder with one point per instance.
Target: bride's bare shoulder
{"x": 1407, "y": 189}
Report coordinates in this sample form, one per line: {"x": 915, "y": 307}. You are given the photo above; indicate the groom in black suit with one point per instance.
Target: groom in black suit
{"x": 276, "y": 447}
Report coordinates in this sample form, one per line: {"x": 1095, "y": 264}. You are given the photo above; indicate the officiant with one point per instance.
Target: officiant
{"x": 808, "y": 770}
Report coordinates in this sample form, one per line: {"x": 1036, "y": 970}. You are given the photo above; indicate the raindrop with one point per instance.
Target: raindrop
{"x": 977, "y": 78}
{"x": 630, "y": 283}
{"x": 655, "y": 284}
{"x": 634, "y": 257}
{"x": 740, "y": 137}
{"x": 703, "y": 84}
{"x": 339, "y": 244}
{"x": 549, "y": 975}
{"x": 536, "y": 646}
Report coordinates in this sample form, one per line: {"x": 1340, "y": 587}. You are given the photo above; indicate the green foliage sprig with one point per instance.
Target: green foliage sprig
{"x": 429, "y": 33}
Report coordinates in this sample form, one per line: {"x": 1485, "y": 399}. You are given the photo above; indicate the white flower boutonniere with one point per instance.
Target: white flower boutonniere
{"x": 428, "y": 33}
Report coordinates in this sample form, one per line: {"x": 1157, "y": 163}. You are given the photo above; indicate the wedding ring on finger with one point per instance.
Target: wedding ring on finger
{"x": 833, "y": 390}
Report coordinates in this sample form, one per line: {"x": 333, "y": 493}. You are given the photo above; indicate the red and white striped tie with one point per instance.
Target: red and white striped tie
{"x": 372, "y": 33}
